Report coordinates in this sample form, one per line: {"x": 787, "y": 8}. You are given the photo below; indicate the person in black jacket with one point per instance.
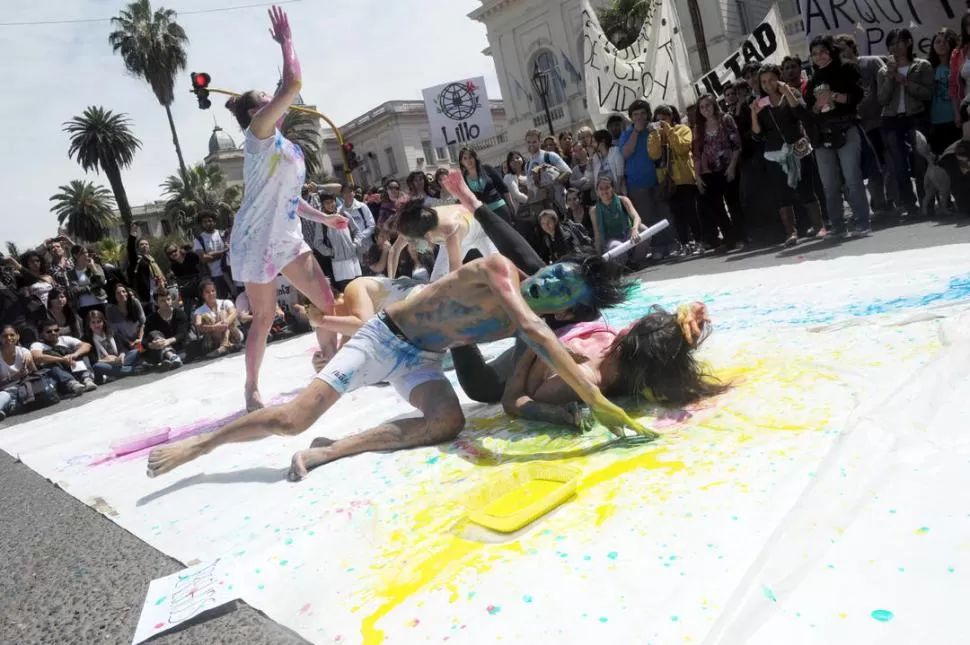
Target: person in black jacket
{"x": 167, "y": 331}
{"x": 777, "y": 124}
{"x": 486, "y": 183}
{"x": 560, "y": 238}
{"x": 186, "y": 266}
{"x": 833, "y": 95}
{"x": 144, "y": 274}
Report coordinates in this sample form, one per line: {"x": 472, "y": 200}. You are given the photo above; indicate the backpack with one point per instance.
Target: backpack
{"x": 35, "y": 392}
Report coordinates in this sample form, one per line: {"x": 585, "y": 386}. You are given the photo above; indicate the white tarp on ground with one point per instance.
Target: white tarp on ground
{"x": 825, "y": 498}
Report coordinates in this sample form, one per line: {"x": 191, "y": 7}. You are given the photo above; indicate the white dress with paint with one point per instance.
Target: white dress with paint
{"x": 266, "y": 234}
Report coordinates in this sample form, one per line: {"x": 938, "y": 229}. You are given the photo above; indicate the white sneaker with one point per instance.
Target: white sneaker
{"x": 88, "y": 384}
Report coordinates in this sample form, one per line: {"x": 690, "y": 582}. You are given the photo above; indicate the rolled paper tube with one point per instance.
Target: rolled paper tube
{"x": 613, "y": 253}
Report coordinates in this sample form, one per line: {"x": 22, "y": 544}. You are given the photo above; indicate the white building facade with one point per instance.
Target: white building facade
{"x": 394, "y": 139}
{"x": 524, "y": 34}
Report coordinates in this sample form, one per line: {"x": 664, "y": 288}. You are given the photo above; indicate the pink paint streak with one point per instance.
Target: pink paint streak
{"x": 305, "y": 609}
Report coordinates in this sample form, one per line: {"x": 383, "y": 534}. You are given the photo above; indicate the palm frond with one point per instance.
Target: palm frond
{"x": 204, "y": 190}
{"x": 100, "y": 136}
{"x": 304, "y": 130}
{"x": 85, "y": 210}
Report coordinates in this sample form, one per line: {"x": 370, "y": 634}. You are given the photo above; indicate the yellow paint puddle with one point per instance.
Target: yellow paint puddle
{"x": 529, "y": 493}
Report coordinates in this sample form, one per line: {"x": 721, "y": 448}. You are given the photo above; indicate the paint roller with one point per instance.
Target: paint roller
{"x": 615, "y": 252}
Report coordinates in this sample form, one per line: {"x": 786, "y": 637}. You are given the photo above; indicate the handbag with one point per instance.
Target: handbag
{"x": 802, "y": 146}
{"x": 36, "y": 391}
{"x": 667, "y": 186}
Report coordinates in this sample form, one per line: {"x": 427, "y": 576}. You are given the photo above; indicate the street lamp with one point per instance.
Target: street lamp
{"x": 541, "y": 84}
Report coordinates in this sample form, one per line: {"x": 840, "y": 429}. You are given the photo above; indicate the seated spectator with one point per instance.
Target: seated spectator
{"x": 144, "y": 274}
{"x": 559, "y": 239}
{"x": 279, "y": 330}
{"x": 16, "y": 364}
{"x": 290, "y": 301}
{"x": 615, "y": 221}
{"x": 86, "y": 282}
{"x": 167, "y": 329}
{"x": 61, "y": 311}
{"x": 61, "y": 358}
{"x": 111, "y": 360}
{"x": 218, "y": 321}
{"x": 24, "y": 313}
{"x": 126, "y": 318}
{"x": 34, "y": 275}
{"x": 577, "y": 210}
{"x": 187, "y": 269}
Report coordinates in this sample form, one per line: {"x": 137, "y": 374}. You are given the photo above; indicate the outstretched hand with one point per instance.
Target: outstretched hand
{"x": 454, "y": 183}
{"x": 336, "y": 221}
{"x": 692, "y": 319}
{"x": 280, "y": 29}
{"x": 615, "y": 419}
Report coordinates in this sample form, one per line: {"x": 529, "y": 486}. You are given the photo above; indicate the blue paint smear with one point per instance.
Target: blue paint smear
{"x": 958, "y": 289}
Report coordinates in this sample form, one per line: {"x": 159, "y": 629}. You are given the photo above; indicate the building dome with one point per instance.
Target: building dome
{"x": 220, "y": 141}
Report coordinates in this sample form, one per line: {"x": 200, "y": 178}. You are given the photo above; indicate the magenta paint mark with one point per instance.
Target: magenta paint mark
{"x": 159, "y": 625}
{"x": 304, "y": 609}
{"x": 141, "y": 444}
{"x": 493, "y": 609}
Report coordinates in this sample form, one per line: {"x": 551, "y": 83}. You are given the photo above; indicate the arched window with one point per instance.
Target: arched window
{"x": 546, "y": 63}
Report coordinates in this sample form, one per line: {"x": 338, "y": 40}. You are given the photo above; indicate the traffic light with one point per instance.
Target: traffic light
{"x": 350, "y": 157}
{"x": 200, "y": 83}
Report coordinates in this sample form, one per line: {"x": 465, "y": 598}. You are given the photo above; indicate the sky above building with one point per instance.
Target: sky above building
{"x": 355, "y": 55}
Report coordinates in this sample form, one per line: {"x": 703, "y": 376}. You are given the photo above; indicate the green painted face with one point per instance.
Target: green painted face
{"x": 555, "y": 289}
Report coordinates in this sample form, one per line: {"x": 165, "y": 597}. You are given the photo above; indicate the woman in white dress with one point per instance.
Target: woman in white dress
{"x": 267, "y": 237}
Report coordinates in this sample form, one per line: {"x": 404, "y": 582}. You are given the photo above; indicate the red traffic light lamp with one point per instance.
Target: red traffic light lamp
{"x": 200, "y": 87}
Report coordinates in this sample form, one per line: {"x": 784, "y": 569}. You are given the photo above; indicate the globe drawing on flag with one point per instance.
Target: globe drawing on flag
{"x": 458, "y": 101}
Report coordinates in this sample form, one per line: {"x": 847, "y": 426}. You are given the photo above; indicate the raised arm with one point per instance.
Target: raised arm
{"x": 264, "y": 122}
{"x": 394, "y": 256}
{"x": 502, "y": 279}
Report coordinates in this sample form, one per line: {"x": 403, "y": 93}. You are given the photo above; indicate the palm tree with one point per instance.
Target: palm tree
{"x": 622, "y": 20}
{"x": 152, "y": 46}
{"x": 304, "y": 130}
{"x": 205, "y": 190}
{"x": 102, "y": 141}
{"x": 85, "y": 210}
{"x": 13, "y": 250}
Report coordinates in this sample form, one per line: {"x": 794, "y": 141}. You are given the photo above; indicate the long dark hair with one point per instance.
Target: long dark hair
{"x": 240, "y": 107}
{"x": 69, "y": 314}
{"x": 474, "y": 155}
{"x": 131, "y": 305}
{"x": 409, "y": 182}
{"x": 512, "y": 155}
{"x": 654, "y": 360}
{"x": 952, "y": 41}
{"x": 699, "y": 119}
{"x": 25, "y": 261}
{"x": 670, "y": 110}
{"x": 605, "y": 280}
{"x": 828, "y": 42}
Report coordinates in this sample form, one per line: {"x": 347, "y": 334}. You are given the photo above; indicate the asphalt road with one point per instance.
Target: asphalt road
{"x": 73, "y": 576}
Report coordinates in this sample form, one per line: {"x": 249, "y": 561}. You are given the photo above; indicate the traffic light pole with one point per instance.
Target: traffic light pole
{"x": 348, "y": 175}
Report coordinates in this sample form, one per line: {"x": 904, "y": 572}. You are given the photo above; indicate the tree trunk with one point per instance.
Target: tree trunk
{"x": 110, "y": 167}
{"x": 699, "y": 38}
{"x": 178, "y": 148}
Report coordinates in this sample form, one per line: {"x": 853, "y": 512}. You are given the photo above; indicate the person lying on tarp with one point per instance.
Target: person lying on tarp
{"x": 656, "y": 353}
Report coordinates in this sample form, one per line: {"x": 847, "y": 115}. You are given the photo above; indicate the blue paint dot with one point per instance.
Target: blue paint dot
{"x": 587, "y": 557}
{"x": 882, "y": 615}
{"x": 603, "y": 619}
{"x": 675, "y": 618}
{"x": 288, "y": 541}
{"x": 612, "y": 555}
{"x": 434, "y": 460}
{"x": 526, "y": 598}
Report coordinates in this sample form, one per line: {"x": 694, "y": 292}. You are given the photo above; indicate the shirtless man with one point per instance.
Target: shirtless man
{"x": 453, "y": 227}
{"x": 404, "y": 344}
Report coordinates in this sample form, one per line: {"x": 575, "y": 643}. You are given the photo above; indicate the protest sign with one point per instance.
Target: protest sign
{"x": 459, "y": 112}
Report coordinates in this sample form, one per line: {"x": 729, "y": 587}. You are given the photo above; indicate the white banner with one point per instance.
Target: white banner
{"x": 767, "y": 43}
{"x": 459, "y": 112}
{"x": 655, "y": 67}
{"x": 870, "y": 20}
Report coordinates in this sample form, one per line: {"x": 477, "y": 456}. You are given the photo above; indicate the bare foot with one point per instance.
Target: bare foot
{"x": 165, "y": 458}
{"x": 254, "y": 401}
{"x": 306, "y": 460}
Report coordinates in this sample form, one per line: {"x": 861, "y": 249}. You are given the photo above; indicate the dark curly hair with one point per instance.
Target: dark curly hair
{"x": 414, "y": 219}
{"x": 605, "y": 280}
{"x": 654, "y": 360}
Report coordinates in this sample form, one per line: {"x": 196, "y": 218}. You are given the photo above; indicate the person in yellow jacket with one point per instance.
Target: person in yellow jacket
{"x": 670, "y": 145}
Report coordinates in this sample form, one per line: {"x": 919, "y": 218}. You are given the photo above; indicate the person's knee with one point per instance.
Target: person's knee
{"x": 289, "y": 420}
{"x": 446, "y": 424}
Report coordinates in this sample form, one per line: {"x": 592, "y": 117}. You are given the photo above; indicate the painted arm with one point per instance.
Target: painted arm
{"x": 394, "y": 256}
{"x": 518, "y": 404}
{"x": 264, "y": 122}
{"x": 502, "y": 279}
{"x": 308, "y": 212}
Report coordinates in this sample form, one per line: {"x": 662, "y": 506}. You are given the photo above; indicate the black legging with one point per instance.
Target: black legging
{"x": 481, "y": 381}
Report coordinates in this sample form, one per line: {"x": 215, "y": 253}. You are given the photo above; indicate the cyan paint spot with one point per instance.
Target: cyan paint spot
{"x": 769, "y": 594}
{"x": 882, "y": 615}
{"x": 612, "y": 555}
{"x": 526, "y": 598}
{"x": 603, "y": 619}
{"x": 433, "y": 460}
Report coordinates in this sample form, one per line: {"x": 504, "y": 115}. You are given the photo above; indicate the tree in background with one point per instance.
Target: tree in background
{"x": 623, "y": 19}
{"x": 13, "y": 250}
{"x": 84, "y": 210}
{"x": 205, "y": 190}
{"x": 303, "y": 129}
{"x": 152, "y": 46}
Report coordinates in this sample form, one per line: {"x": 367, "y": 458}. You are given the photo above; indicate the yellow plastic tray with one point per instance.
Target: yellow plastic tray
{"x": 515, "y": 498}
